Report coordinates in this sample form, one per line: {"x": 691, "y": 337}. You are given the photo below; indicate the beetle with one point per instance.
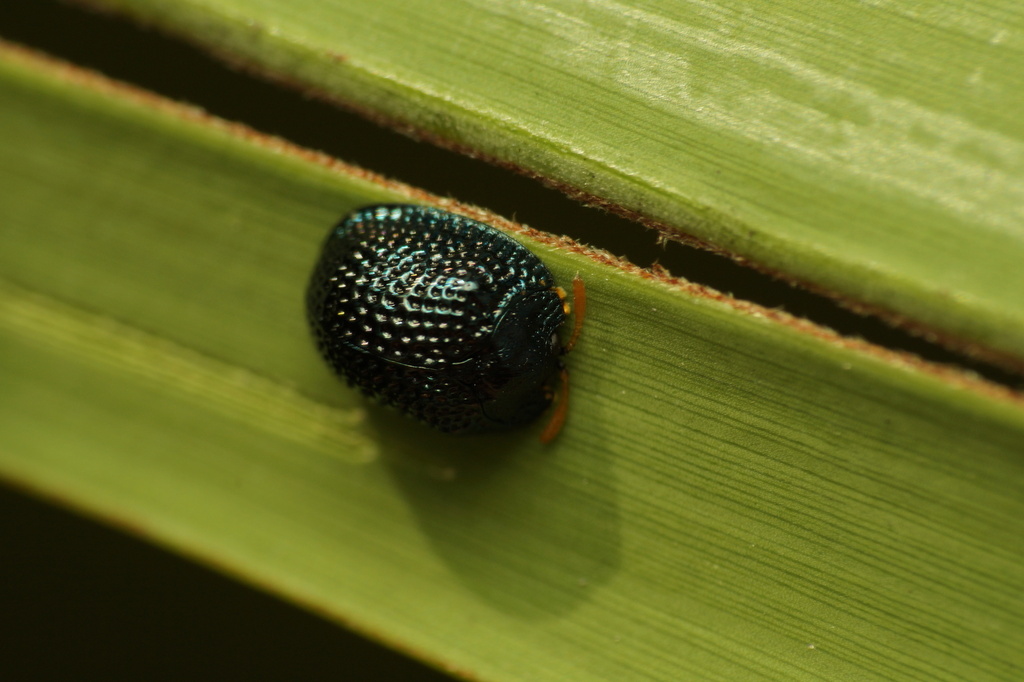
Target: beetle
{"x": 443, "y": 317}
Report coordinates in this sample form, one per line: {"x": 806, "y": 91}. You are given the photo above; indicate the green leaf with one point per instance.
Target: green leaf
{"x": 737, "y": 494}
{"x": 870, "y": 150}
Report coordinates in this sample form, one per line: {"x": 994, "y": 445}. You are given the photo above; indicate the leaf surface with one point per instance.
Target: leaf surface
{"x": 871, "y": 150}
{"x": 737, "y": 495}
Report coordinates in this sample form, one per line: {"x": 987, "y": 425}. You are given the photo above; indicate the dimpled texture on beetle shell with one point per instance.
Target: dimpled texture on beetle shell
{"x": 440, "y": 316}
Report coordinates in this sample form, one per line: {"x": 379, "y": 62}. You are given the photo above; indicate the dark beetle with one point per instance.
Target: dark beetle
{"x": 440, "y": 316}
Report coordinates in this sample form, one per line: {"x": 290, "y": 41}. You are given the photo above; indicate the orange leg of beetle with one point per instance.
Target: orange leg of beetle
{"x": 579, "y": 296}
{"x": 579, "y": 300}
{"x": 561, "y": 409}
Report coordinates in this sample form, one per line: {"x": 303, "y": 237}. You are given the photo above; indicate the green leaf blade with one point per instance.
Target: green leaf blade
{"x": 870, "y": 151}
{"x": 736, "y": 494}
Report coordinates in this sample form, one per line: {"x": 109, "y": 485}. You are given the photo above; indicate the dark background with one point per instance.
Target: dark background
{"x": 80, "y": 601}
